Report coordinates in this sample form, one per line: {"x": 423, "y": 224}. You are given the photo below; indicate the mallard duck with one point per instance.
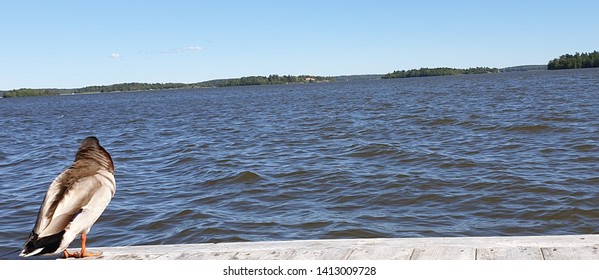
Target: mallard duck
{"x": 73, "y": 203}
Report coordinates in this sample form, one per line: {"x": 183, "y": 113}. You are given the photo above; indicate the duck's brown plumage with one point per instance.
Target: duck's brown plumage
{"x": 74, "y": 201}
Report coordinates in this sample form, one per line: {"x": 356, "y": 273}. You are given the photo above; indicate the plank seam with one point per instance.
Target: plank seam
{"x": 412, "y": 254}
{"x": 350, "y": 253}
{"x": 542, "y": 253}
{"x": 346, "y": 257}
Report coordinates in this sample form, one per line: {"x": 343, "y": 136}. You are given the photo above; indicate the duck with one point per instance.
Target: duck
{"x": 73, "y": 203}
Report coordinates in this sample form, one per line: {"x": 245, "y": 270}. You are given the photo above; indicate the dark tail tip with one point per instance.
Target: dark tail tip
{"x": 44, "y": 245}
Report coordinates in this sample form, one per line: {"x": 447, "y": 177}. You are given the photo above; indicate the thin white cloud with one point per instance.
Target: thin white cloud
{"x": 184, "y": 49}
{"x": 115, "y": 55}
{"x": 192, "y": 49}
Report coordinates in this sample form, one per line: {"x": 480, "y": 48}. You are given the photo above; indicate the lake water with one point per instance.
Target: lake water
{"x": 471, "y": 155}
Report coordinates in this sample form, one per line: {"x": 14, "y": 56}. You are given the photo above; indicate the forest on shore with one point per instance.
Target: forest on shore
{"x": 566, "y": 61}
{"x": 575, "y": 61}
{"x": 123, "y": 87}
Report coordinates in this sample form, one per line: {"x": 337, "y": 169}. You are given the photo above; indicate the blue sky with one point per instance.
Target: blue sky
{"x": 67, "y": 44}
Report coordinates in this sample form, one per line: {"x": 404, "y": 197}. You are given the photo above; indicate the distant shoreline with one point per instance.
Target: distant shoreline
{"x": 243, "y": 81}
{"x": 132, "y": 87}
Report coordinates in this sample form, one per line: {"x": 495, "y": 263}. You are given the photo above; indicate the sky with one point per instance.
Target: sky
{"x": 70, "y": 44}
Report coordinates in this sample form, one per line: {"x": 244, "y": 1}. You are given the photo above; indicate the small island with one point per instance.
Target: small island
{"x": 441, "y": 71}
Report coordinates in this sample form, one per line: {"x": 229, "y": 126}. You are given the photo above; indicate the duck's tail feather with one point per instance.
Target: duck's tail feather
{"x": 45, "y": 245}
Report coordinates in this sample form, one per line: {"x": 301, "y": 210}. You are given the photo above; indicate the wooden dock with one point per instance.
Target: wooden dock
{"x": 565, "y": 247}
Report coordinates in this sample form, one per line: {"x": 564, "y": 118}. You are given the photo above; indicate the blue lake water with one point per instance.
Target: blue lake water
{"x": 471, "y": 155}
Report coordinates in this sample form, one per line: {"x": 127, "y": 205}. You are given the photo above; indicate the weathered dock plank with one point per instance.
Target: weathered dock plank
{"x": 324, "y": 254}
{"x": 381, "y": 253}
{"x": 444, "y": 253}
{"x": 509, "y": 253}
{"x": 571, "y": 253}
{"x": 565, "y": 247}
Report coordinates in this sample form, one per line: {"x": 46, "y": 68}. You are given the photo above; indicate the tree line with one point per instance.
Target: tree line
{"x": 272, "y": 80}
{"x": 441, "y": 71}
{"x": 578, "y": 60}
{"x": 32, "y": 92}
{"x": 243, "y": 81}
{"x": 130, "y": 87}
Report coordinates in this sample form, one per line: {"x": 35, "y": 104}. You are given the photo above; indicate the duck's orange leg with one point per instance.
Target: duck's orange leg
{"x": 83, "y": 252}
